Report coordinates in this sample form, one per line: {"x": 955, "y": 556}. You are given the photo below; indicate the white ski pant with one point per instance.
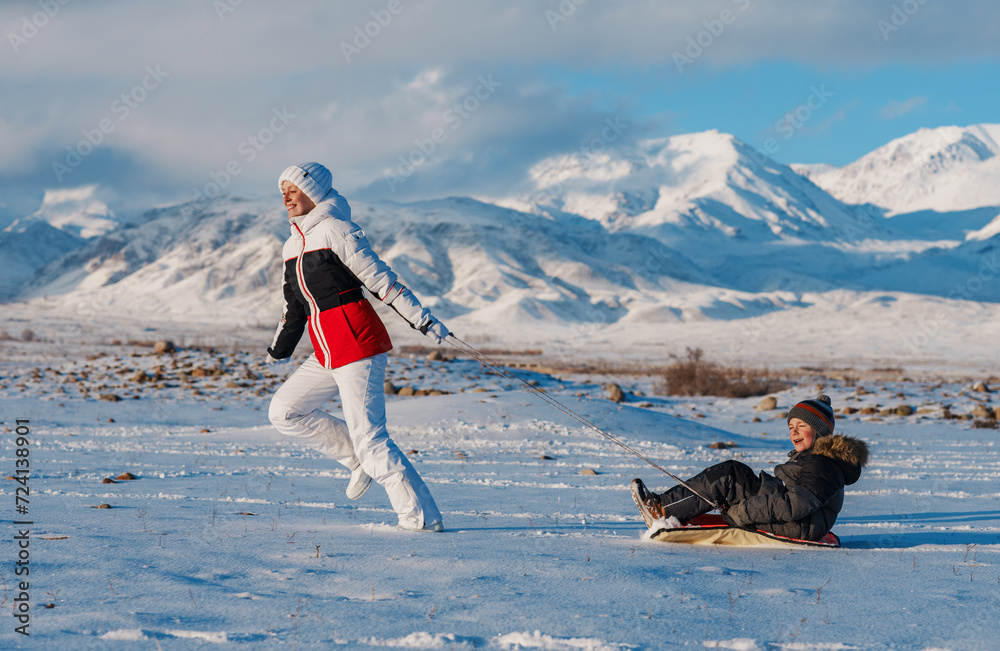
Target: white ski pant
{"x": 361, "y": 438}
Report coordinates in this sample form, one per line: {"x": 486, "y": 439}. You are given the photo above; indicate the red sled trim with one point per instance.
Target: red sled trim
{"x": 714, "y": 521}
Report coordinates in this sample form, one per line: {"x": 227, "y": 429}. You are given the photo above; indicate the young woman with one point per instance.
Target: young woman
{"x": 801, "y": 500}
{"x": 327, "y": 262}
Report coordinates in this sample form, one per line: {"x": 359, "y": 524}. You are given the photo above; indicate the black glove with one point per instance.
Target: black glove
{"x": 728, "y": 519}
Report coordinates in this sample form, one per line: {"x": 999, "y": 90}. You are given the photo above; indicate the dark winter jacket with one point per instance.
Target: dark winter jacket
{"x": 804, "y": 497}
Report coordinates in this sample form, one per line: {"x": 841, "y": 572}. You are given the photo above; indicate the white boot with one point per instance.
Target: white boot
{"x": 437, "y": 527}
{"x": 360, "y": 481}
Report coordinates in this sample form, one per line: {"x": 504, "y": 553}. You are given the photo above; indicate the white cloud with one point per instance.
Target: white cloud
{"x": 898, "y": 109}
{"x": 228, "y": 74}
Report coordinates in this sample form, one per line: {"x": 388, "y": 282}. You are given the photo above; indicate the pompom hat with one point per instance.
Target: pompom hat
{"x": 817, "y": 413}
{"x": 312, "y": 178}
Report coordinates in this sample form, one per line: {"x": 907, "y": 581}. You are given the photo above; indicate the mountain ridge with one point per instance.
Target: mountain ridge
{"x": 944, "y": 169}
{"x": 679, "y": 229}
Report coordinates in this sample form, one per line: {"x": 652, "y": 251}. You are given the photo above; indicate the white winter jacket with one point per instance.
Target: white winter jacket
{"x": 327, "y": 261}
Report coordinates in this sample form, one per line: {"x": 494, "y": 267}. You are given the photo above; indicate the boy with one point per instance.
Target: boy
{"x": 801, "y": 500}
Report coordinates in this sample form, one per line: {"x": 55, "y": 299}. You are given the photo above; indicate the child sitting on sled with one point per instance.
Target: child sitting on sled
{"x": 801, "y": 500}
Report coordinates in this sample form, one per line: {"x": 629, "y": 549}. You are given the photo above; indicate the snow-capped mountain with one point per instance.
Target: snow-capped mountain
{"x": 702, "y": 185}
{"x": 690, "y": 228}
{"x": 63, "y": 222}
{"x": 80, "y": 211}
{"x": 735, "y": 211}
{"x": 194, "y": 257}
{"x": 461, "y": 255}
{"x": 943, "y": 170}
{"x": 25, "y": 247}
{"x": 498, "y": 264}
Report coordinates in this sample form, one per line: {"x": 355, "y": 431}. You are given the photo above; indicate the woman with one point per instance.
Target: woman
{"x": 327, "y": 261}
{"x": 801, "y": 500}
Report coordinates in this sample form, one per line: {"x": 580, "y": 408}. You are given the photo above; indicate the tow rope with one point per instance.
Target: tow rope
{"x": 507, "y": 373}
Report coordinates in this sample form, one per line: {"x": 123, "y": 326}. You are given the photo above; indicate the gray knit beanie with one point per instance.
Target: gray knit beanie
{"x": 817, "y": 413}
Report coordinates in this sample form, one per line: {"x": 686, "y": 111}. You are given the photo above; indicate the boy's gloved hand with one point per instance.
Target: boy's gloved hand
{"x": 732, "y": 517}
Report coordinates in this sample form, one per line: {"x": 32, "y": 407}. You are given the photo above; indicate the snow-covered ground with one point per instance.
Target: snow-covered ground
{"x": 232, "y": 536}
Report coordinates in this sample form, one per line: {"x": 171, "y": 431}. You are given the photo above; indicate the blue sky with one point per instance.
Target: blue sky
{"x": 204, "y": 81}
{"x": 864, "y": 110}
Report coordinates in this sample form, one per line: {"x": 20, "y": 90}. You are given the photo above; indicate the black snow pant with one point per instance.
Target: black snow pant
{"x": 728, "y": 482}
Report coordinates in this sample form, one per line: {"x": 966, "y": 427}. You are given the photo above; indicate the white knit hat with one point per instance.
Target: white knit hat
{"x": 312, "y": 178}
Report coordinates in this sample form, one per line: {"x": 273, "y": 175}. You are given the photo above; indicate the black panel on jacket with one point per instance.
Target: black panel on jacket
{"x": 327, "y": 278}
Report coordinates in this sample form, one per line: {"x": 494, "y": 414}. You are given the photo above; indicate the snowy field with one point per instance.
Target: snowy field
{"x": 231, "y": 536}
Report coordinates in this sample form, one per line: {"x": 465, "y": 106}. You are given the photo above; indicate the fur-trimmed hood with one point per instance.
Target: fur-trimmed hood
{"x": 852, "y": 453}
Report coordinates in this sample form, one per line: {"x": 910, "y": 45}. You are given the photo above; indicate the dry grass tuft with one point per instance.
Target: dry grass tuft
{"x": 696, "y": 376}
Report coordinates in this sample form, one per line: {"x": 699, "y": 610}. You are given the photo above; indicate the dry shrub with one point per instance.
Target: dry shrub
{"x": 695, "y": 376}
